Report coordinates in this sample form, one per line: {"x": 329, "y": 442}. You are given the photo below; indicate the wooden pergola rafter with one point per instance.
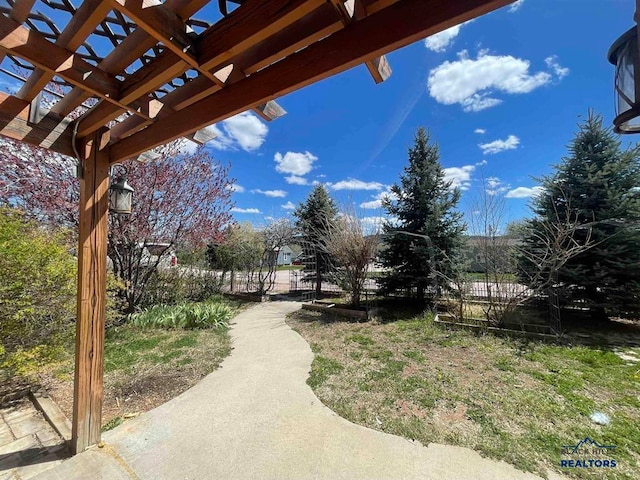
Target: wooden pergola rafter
{"x": 165, "y": 75}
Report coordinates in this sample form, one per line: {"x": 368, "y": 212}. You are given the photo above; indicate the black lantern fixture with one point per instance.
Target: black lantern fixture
{"x": 624, "y": 55}
{"x": 120, "y": 196}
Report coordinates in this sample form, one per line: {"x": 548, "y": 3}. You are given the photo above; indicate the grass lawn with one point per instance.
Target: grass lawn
{"x": 144, "y": 367}
{"x": 508, "y": 399}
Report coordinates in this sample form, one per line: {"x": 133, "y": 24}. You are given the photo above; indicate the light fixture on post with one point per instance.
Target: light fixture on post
{"x": 120, "y": 194}
{"x": 624, "y": 55}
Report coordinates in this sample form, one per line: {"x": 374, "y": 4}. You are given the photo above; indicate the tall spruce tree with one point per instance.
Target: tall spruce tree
{"x": 597, "y": 187}
{"x": 314, "y": 218}
{"x": 423, "y": 205}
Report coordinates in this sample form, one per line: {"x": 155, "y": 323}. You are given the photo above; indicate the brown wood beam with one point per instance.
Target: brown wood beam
{"x": 89, "y": 14}
{"x": 247, "y": 26}
{"x": 379, "y": 67}
{"x": 51, "y": 132}
{"x": 321, "y": 23}
{"x": 34, "y": 48}
{"x": 161, "y": 23}
{"x": 388, "y": 29}
{"x": 92, "y": 292}
{"x": 19, "y": 13}
{"x": 21, "y": 9}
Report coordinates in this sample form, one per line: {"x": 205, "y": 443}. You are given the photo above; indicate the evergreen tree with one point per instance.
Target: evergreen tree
{"x": 596, "y": 187}
{"x": 314, "y": 219}
{"x": 422, "y": 205}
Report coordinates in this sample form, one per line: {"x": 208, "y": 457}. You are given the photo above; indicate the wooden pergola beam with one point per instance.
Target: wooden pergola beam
{"x": 388, "y": 29}
{"x": 89, "y": 14}
{"x": 19, "y": 13}
{"x": 256, "y": 21}
{"x": 161, "y": 23}
{"x": 21, "y": 10}
{"x": 321, "y": 23}
{"x": 34, "y": 48}
{"x": 51, "y": 131}
{"x": 378, "y": 67}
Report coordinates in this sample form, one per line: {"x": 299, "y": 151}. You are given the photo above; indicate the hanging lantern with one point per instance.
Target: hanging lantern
{"x": 624, "y": 55}
{"x": 120, "y": 196}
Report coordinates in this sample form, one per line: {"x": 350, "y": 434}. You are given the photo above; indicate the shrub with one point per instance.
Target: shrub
{"x": 174, "y": 286}
{"x": 184, "y": 316}
{"x": 37, "y": 285}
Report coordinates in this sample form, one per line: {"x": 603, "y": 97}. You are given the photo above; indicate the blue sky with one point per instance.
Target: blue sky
{"x": 501, "y": 95}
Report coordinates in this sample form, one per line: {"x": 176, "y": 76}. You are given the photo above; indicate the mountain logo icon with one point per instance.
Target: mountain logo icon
{"x": 587, "y": 442}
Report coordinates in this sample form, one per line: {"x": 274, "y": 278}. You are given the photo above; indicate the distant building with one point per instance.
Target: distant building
{"x": 285, "y": 256}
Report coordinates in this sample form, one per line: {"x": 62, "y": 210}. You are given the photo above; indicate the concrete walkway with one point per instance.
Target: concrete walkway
{"x": 256, "y": 418}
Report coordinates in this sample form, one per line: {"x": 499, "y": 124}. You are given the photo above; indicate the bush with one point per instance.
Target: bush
{"x": 175, "y": 285}
{"x": 184, "y": 316}
{"x": 38, "y": 282}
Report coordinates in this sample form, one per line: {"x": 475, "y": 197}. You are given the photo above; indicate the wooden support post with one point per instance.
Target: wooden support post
{"x": 92, "y": 289}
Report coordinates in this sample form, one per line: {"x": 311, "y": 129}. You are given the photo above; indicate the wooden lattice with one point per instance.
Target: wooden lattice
{"x": 150, "y": 72}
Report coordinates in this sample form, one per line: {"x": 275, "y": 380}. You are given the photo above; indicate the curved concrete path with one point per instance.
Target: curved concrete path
{"x": 256, "y": 418}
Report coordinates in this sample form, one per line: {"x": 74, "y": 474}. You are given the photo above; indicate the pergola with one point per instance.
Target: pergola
{"x": 132, "y": 75}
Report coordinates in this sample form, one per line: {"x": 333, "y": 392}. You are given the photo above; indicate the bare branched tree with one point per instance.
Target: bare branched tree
{"x": 352, "y": 251}
{"x": 553, "y": 243}
{"x": 495, "y": 253}
{"x": 276, "y": 235}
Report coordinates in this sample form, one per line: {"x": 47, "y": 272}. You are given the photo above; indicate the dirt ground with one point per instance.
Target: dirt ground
{"x": 141, "y": 393}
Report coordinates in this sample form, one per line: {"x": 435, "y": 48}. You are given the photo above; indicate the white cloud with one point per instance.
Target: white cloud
{"x": 354, "y": 184}
{"x": 295, "y": 180}
{"x": 515, "y": 6}
{"x": 459, "y": 176}
{"x": 494, "y": 186}
{"x": 493, "y": 182}
{"x": 440, "y": 41}
{"x": 245, "y": 210}
{"x": 373, "y": 204}
{"x": 559, "y": 70}
{"x": 377, "y": 203}
{"x": 244, "y": 130}
{"x": 294, "y": 163}
{"x": 472, "y": 82}
{"x": 524, "y": 192}
{"x": 480, "y": 131}
{"x": 288, "y": 206}
{"x": 234, "y": 187}
{"x": 247, "y": 130}
{"x": 497, "y": 146}
{"x": 221, "y": 140}
{"x": 271, "y": 193}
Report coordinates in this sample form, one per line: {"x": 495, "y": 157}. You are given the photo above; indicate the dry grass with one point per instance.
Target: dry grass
{"x": 144, "y": 368}
{"x": 514, "y": 401}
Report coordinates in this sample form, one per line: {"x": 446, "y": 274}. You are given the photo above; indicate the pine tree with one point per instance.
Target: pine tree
{"x": 314, "y": 218}
{"x": 422, "y": 205}
{"x": 596, "y": 187}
